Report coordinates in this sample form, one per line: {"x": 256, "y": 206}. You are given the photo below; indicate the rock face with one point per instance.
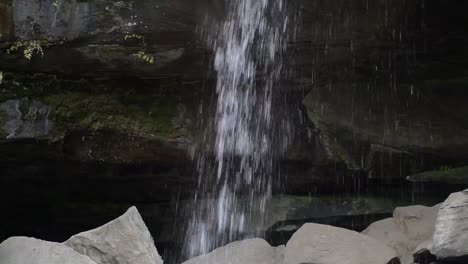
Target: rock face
{"x": 320, "y": 244}
{"x": 33, "y": 123}
{"x": 24, "y": 250}
{"x": 451, "y": 228}
{"x": 251, "y": 251}
{"x": 121, "y": 241}
{"x": 352, "y": 103}
{"x": 409, "y": 227}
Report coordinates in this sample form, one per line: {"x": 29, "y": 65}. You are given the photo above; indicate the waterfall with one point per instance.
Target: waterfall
{"x": 248, "y": 49}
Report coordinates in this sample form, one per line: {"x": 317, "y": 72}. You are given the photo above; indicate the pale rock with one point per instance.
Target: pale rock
{"x": 389, "y": 232}
{"x": 417, "y": 221}
{"x": 408, "y": 228}
{"x": 451, "y": 227}
{"x": 125, "y": 240}
{"x": 322, "y": 244}
{"x": 25, "y": 250}
{"x": 250, "y": 251}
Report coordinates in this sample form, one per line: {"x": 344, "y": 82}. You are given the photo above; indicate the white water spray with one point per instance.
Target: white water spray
{"x": 248, "y": 44}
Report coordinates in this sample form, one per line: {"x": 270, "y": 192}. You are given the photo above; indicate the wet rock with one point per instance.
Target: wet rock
{"x": 70, "y": 19}
{"x": 408, "y": 228}
{"x": 6, "y": 22}
{"x": 290, "y": 208}
{"x": 357, "y": 101}
{"x": 165, "y": 30}
{"x": 25, "y": 119}
{"x": 322, "y": 244}
{"x": 123, "y": 240}
{"x": 82, "y": 116}
{"x": 451, "y": 228}
{"x": 287, "y": 213}
{"x": 444, "y": 175}
{"x": 281, "y": 232}
{"x": 251, "y": 251}
{"x": 22, "y": 250}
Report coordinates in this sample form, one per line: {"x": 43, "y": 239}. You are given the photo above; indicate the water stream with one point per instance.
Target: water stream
{"x": 249, "y": 135}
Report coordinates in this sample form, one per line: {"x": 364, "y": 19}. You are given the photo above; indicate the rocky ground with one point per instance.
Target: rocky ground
{"x": 415, "y": 234}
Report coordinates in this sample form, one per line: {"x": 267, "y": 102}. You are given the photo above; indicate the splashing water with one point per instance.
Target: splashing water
{"x": 239, "y": 182}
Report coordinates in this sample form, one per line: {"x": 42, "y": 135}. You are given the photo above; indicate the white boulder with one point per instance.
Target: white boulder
{"x": 408, "y": 228}
{"x": 25, "y": 250}
{"x": 124, "y": 240}
{"x": 389, "y": 232}
{"x": 451, "y": 227}
{"x": 250, "y": 251}
{"x": 416, "y": 221}
{"x": 321, "y": 244}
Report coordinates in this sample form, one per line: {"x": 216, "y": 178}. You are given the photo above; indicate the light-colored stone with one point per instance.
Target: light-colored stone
{"x": 451, "y": 227}
{"x": 125, "y": 240}
{"x": 321, "y": 244}
{"x": 417, "y": 221}
{"x": 408, "y": 228}
{"x": 251, "y": 251}
{"x": 389, "y": 232}
{"x": 25, "y": 250}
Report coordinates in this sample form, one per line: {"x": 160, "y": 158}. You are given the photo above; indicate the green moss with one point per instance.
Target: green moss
{"x": 131, "y": 106}
{"x": 451, "y": 176}
{"x": 3, "y": 119}
{"x": 460, "y": 82}
{"x": 20, "y": 86}
{"x": 7, "y": 2}
{"x": 97, "y": 112}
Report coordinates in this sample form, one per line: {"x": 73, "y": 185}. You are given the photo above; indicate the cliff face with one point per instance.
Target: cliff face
{"x": 379, "y": 75}
{"x": 389, "y": 77}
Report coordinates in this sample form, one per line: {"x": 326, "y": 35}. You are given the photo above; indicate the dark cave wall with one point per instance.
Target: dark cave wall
{"x": 382, "y": 82}
{"x": 381, "y": 87}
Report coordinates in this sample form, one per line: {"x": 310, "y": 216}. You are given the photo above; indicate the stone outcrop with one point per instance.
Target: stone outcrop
{"x": 322, "y": 244}
{"x": 451, "y": 228}
{"x": 121, "y": 241}
{"x": 444, "y": 175}
{"x": 251, "y": 251}
{"x": 373, "y": 107}
{"x": 24, "y": 250}
{"x": 409, "y": 227}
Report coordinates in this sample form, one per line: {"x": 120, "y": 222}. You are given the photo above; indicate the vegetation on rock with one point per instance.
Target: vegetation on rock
{"x": 444, "y": 175}
{"x": 28, "y": 48}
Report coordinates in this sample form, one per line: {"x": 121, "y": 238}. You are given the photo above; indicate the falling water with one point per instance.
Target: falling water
{"x": 248, "y": 45}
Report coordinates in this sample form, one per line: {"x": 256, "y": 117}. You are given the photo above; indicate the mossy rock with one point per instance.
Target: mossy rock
{"x": 107, "y": 112}
{"x": 129, "y": 106}
{"x": 444, "y": 175}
